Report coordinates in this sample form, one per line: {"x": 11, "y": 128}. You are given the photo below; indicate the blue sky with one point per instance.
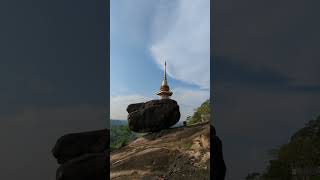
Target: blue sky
{"x": 145, "y": 33}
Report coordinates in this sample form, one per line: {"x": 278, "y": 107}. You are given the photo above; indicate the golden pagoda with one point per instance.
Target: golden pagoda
{"x": 165, "y": 92}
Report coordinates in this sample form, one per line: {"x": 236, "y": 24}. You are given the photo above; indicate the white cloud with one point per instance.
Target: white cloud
{"x": 118, "y": 105}
{"x": 181, "y": 35}
{"x": 187, "y": 99}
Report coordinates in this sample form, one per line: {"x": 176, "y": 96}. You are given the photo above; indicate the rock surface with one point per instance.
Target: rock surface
{"x": 153, "y": 115}
{"x": 83, "y": 156}
{"x": 175, "y": 153}
{"x": 218, "y": 167}
{"x": 73, "y": 145}
{"x": 85, "y": 167}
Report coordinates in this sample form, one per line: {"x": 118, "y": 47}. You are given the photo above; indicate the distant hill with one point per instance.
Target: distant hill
{"x": 201, "y": 114}
{"x": 116, "y": 122}
{"x": 300, "y": 155}
{"x": 125, "y": 122}
{"x": 120, "y": 135}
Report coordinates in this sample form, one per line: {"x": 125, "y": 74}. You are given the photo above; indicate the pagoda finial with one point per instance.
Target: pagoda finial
{"x": 165, "y": 69}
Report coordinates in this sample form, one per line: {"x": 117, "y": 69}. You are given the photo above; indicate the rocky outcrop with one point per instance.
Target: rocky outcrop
{"x": 85, "y": 167}
{"x": 175, "y": 153}
{"x": 153, "y": 115}
{"x": 83, "y": 156}
{"x": 218, "y": 167}
{"x": 73, "y": 145}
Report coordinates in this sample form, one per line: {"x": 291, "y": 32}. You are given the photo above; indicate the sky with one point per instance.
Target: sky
{"x": 144, "y": 34}
{"x": 53, "y": 80}
{"x": 266, "y": 80}
{"x": 264, "y": 72}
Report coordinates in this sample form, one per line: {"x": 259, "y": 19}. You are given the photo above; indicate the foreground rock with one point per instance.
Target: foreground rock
{"x": 153, "y": 115}
{"x": 73, "y": 145}
{"x": 86, "y": 167}
{"x": 218, "y": 167}
{"x": 83, "y": 156}
{"x": 176, "y": 153}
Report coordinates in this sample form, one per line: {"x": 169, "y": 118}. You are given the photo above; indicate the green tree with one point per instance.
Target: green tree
{"x": 302, "y": 151}
{"x": 121, "y": 136}
{"x": 201, "y": 114}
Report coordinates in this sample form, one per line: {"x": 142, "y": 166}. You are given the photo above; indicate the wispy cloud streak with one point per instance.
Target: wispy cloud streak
{"x": 182, "y": 37}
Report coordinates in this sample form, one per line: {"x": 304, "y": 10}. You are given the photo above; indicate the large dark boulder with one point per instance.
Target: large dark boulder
{"x": 76, "y": 144}
{"x": 85, "y": 167}
{"x": 153, "y": 115}
{"x": 83, "y": 156}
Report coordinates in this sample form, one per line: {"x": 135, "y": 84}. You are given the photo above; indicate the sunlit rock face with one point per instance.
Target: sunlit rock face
{"x": 181, "y": 153}
{"x": 152, "y": 116}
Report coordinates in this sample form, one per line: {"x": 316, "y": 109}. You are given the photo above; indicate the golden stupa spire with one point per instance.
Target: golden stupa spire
{"x": 165, "y": 92}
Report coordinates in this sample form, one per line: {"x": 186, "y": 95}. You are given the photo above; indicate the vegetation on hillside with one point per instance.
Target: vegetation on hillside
{"x": 301, "y": 153}
{"x": 121, "y": 136}
{"x": 201, "y": 114}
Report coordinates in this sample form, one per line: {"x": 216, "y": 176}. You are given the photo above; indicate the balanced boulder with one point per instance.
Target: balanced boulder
{"x": 152, "y": 116}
